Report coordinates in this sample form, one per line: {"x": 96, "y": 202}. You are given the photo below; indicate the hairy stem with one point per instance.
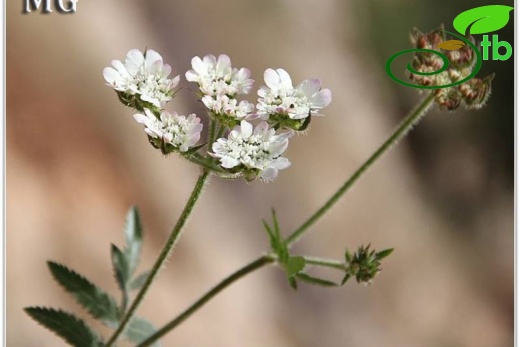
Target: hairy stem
{"x": 406, "y": 125}
{"x": 166, "y": 251}
{"x": 253, "y": 266}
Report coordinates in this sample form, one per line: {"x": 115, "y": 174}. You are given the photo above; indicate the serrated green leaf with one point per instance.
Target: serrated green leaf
{"x": 294, "y": 265}
{"x": 316, "y": 281}
{"x": 134, "y": 239}
{"x": 67, "y": 326}
{"x": 384, "y": 253}
{"x": 140, "y": 329}
{"x": 138, "y": 282}
{"x": 98, "y": 303}
{"x": 120, "y": 265}
{"x": 483, "y": 19}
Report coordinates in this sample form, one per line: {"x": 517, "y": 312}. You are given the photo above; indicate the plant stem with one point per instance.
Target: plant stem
{"x": 206, "y": 163}
{"x": 167, "y": 249}
{"x": 254, "y": 265}
{"x": 404, "y": 127}
{"x": 333, "y": 264}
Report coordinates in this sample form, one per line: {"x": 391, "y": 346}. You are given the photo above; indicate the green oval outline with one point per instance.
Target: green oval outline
{"x": 476, "y": 69}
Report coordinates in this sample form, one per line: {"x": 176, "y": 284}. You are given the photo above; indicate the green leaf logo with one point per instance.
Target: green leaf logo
{"x": 482, "y": 20}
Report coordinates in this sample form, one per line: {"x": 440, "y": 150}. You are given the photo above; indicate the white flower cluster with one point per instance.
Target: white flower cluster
{"x": 142, "y": 75}
{"x": 142, "y": 83}
{"x": 220, "y": 83}
{"x": 251, "y": 151}
{"x": 255, "y": 152}
{"x": 171, "y": 129}
{"x": 284, "y": 105}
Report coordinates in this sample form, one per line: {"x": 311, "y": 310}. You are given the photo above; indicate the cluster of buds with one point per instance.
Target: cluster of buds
{"x": 364, "y": 264}
{"x": 236, "y": 145}
{"x": 472, "y": 94}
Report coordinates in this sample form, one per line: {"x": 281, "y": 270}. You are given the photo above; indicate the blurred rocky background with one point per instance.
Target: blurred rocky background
{"x": 443, "y": 198}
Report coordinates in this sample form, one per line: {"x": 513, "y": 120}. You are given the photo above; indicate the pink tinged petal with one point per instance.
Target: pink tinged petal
{"x": 111, "y": 75}
{"x": 246, "y": 129}
{"x": 310, "y": 87}
{"x": 269, "y": 174}
{"x": 272, "y": 79}
{"x": 261, "y": 128}
{"x": 285, "y": 79}
{"x": 134, "y": 61}
{"x": 322, "y": 99}
{"x": 141, "y": 118}
{"x": 152, "y": 58}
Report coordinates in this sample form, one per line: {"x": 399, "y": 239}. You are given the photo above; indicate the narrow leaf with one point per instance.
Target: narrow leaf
{"x": 345, "y": 279}
{"x": 384, "y": 253}
{"x": 294, "y": 265}
{"x": 138, "y": 282}
{"x": 67, "y": 326}
{"x": 139, "y": 330}
{"x": 98, "y": 303}
{"x": 134, "y": 239}
{"x": 316, "y": 281}
{"x": 483, "y": 19}
{"x": 120, "y": 266}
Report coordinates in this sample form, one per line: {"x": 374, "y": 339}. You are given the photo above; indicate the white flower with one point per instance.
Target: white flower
{"x": 230, "y": 107}
{"x": 215, "y": 76}
{"x": 254, "y": 152}
{"x": 280, "y": 98}
{"x": 179, "y": 131}
{"x": 144, "y": 75}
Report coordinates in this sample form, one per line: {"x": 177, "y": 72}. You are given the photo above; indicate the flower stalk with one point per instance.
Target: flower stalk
{"x": 406, "y": 125}
{"x": 166, "y": 251}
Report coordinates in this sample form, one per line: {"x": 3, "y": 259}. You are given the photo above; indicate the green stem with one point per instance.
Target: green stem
{"x": 211, "y": 134}
{"x": 206, "y": 163}
{"x": 333, "y": 264}
{"x": 254, "y": 265}
{"x": 167, "y": 249}
{"x": 406, "y": 125}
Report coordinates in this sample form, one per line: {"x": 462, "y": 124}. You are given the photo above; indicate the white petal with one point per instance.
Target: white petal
{"x": 246, "y": 129}
{"x": 261, "y": 128}
{"x": 228, "y": 162}
{"x": 134, "y": 61}
{"x": 198, "y": 66}
{"x": 285, "y": 79}
{"x": 309, "y": 87}
{"x": 223, "y": 64}
{"x": 322, "y": 99}
{"x": 281, "y": 163}
{"x": 111, "y": 75}
{"x": 152, "y": 58}
{"x": 269, "y": 174}
{"x": 272, "y": 79}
